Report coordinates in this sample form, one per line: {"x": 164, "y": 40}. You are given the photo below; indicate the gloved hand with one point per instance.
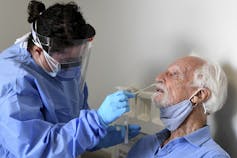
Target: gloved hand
{"x": 115, "y": 135}
{"x": 114, "y": 106}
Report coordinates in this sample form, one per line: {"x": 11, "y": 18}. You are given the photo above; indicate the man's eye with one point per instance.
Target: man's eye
{"x": 174, "y": 73}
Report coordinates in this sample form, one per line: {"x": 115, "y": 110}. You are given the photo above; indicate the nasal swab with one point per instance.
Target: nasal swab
{"x": 140, "y": 90}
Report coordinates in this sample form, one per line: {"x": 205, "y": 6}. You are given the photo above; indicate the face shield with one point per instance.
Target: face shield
{"x": 67, "y": 59}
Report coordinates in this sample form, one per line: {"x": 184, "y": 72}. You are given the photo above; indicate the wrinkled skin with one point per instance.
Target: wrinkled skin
{"x": 175, "y": 84}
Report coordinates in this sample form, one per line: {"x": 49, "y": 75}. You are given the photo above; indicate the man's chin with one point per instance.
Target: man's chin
{"x": 159, "y": 101}
{"x": 159, "y": 104}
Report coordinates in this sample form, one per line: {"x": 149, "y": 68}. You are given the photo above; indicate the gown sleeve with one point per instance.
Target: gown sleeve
{"x": 25, "y": 133}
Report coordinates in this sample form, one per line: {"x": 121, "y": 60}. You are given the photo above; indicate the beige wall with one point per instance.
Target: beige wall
{"x": 13, "y": 15}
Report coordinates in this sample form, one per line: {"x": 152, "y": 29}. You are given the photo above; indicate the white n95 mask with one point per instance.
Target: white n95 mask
{"x": 53, "y": 64}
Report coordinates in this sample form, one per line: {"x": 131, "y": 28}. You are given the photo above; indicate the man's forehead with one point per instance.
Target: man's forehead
{"x": 175, "y": 67}
{"x": 186, "y": 63}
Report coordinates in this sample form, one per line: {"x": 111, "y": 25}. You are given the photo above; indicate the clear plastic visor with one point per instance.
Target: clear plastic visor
{"x": 67, "y": 53}
{"x": 70, "y": 54}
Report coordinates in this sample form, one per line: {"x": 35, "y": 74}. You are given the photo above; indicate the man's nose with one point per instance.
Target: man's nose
{"x": 161, "y": 78}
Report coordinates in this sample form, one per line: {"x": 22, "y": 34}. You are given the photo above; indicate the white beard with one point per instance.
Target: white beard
{"x": 162, "y": 103}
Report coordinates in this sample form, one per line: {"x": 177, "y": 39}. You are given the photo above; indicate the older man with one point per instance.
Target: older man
{"x": 188, "y": 91}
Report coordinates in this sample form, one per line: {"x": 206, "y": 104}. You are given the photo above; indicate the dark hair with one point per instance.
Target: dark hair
{"x": 59, "y": 21}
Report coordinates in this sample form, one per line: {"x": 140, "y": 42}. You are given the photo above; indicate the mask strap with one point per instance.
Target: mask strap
{"x": 35, "y": 40}
{"x": 194, "y": 95}
{"x": 205, "y": 109}
{"x": 203, "y": 104}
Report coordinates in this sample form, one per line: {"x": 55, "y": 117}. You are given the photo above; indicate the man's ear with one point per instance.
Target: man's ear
{"x": 202, "y": 96}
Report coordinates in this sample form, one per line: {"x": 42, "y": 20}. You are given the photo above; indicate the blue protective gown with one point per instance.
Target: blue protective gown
{"x": 42, "y": 116}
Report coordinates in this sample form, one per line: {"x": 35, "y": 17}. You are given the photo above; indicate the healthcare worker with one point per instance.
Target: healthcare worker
{"x": 43, "y": 95}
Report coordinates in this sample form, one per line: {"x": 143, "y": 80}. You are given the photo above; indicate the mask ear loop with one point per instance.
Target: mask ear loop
{"x": 203, "y": 104}
{"x": 196, "y": 92}
{"x": 205, "y": 109}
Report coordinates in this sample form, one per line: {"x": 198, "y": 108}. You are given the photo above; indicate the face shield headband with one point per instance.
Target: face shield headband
{"x": 64, "y": 55}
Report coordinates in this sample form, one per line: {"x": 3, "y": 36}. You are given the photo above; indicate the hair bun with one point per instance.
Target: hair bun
{"x": 34, "y": 10}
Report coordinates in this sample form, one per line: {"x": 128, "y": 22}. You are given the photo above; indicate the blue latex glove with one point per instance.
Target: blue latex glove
{"x": 115, "y": 135}
{"x": 114, "y": 106}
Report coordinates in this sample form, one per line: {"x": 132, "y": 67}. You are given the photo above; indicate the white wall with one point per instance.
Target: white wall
{"x": 136, "y": 40}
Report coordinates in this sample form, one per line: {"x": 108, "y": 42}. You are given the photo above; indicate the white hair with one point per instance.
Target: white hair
{"x": 212, "y": 76}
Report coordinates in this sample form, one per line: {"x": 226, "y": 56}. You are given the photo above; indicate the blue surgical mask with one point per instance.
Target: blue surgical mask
{"x": 173, "y": 116}
{"x": 69, "y": 73}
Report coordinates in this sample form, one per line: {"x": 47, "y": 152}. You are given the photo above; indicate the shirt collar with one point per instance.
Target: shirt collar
{"x": 162, "y": 135}
{"x": 199, "y": 137}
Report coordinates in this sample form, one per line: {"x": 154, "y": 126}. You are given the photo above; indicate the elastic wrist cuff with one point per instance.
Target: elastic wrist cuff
{"x": 102, "y": 121}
